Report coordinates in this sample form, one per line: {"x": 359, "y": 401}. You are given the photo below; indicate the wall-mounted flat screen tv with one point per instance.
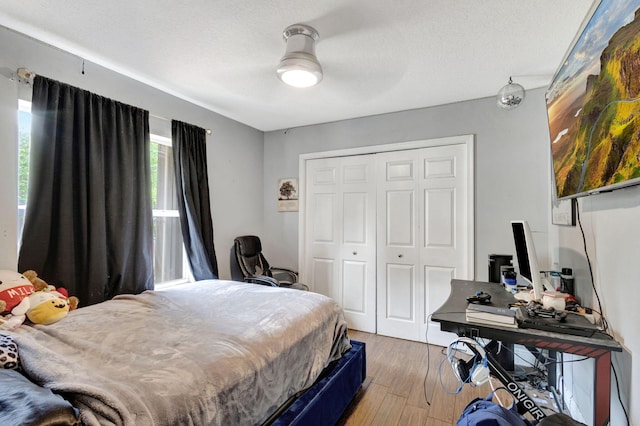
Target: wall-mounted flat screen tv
{"x": 593, "y": 104}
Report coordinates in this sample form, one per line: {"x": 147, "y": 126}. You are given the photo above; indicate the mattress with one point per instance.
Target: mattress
{"x": 211, "y": 352}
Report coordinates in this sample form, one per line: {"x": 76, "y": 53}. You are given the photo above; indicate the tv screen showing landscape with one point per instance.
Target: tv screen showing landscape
{"x": 593, "y": 105}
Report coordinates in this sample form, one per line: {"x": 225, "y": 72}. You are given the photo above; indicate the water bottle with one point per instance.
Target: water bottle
{"x": 509, "y": 280}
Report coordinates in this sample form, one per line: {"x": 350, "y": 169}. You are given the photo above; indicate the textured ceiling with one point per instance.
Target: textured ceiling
{"x": 378, "y": 56}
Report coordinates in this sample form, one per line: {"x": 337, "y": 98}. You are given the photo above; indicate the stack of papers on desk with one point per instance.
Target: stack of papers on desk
{"x": 491, "y": 315}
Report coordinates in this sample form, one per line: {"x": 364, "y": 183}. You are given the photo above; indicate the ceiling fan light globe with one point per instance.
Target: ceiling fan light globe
{"x": 299, "y": 78}
{"x": 299, "y": 72}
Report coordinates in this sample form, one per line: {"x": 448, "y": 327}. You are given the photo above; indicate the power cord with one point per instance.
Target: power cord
{"x": 476, "y": 375}
{"x": 626, "y": 415}
{"x": 544, "y": 364}
{"x": 426, "y": 375}
{"x": 605, "y": 324}
{"x": 495, "y": 394}
{"x": 449, "y": 359}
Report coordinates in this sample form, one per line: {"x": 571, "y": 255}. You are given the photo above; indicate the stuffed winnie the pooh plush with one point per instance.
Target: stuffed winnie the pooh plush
{"x": 42, "y": 307}
{"x": 47, "y": 304}
{"x": 41, "y": 285}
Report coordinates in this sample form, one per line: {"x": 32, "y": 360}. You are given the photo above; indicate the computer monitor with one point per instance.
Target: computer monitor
{"x": 527, "y": 259}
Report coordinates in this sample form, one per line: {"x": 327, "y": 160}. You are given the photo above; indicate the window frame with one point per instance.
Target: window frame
{"x": 23, "y": 106}
{"x": 187, "y": 275}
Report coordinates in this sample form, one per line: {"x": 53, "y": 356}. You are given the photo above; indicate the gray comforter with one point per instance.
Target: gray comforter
{"x": 212, "y": 352}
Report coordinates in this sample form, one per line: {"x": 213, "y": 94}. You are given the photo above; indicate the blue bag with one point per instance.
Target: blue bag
{"x": 484, "y": 412}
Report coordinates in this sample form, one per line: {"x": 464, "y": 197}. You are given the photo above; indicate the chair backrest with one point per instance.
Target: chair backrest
{"x": 249, "y": 257}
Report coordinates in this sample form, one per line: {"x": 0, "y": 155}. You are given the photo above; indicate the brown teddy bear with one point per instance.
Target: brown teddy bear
{"x": 32, "y": 276}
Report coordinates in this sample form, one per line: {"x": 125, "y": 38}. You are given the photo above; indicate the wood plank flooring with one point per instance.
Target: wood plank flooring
{"x": 403, "y": 385}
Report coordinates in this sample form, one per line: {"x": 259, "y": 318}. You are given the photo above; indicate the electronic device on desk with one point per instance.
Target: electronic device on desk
{"x": 491, "y": 315}
{"x": 528, "y": 261}
{"x": 537, "y": 317}
{"x": 536, "y": 309}
{"x": 475, "y": 370}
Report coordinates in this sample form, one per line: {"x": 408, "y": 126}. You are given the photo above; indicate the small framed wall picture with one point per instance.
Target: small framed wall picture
{"x": 288, "y": 195}
{"x": 563, "y": 212}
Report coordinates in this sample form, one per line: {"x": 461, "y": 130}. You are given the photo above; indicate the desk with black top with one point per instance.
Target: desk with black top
{"x": 452, "y": 318}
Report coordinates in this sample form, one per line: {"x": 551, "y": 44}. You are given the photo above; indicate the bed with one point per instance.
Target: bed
{"x": 211, "y": 352}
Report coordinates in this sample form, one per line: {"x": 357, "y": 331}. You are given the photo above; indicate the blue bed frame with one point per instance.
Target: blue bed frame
{"x": 325, "y": 401}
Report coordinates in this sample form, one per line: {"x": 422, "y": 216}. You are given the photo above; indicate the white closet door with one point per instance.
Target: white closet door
{"x": 385, "y": 233}
{"x": 399, "y": 273}
{"x": 422, "y": 238}
{"x": 340, "y": 235}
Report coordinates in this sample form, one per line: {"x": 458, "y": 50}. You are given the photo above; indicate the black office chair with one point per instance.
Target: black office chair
{"x": 248, "y": 264}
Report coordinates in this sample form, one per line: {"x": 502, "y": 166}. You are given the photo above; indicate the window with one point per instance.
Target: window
{"x": 169, "y": 257}
{"x": 24, "y": 146}
{"x": 170, "y": 260}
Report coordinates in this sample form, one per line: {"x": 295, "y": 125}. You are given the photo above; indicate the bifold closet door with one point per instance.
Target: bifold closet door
{"x": 421, "y": 238}
{"x": 340, "y": 235}
{"x": 385, "y": 233}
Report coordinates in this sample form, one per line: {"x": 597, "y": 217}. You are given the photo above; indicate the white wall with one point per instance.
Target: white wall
{"x": 612, "y": 234}
{"x": 8, "y": 170}
{"x": 234, "y": 150}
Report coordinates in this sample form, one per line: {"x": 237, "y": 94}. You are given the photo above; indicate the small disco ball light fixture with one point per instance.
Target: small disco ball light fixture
{"x": 510, "y": 96}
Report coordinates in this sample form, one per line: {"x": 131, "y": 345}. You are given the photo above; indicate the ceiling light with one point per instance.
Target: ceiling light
{"x": 511, "y": 95}
{"x": 299, "y": 66}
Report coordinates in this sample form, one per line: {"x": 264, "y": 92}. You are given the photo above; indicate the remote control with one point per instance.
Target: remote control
{"x": 480, "y": 297}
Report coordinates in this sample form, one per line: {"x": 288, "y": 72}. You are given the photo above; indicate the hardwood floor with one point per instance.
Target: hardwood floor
{"x": 394, "y": 390}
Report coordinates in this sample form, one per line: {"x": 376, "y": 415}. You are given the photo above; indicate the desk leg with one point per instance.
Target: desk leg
{"x": 602, "y": 390}
{"x": 502, "y": 353}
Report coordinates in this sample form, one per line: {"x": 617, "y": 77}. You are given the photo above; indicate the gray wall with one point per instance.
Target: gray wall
{"x": 234, "y": 150}
{"x": 513, "y": 181}
{"x": 512, "y": 167}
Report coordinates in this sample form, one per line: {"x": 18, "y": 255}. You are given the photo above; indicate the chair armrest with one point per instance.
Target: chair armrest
{"x": 284, "y": 274}
{"x": 262, "y": 279}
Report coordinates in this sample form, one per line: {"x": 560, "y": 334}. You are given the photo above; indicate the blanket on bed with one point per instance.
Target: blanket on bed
{"x": 212, "y": 352}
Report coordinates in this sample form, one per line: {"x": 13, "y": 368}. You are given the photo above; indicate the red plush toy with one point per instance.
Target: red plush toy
{"x": 13, "y": 288}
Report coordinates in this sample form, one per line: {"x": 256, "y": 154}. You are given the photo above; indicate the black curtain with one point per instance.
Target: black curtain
{"x": 88, "y": 223}
{"x": 192, "y": 184}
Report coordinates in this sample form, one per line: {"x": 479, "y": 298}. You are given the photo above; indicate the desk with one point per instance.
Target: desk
{"x": 451, "y": 316}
